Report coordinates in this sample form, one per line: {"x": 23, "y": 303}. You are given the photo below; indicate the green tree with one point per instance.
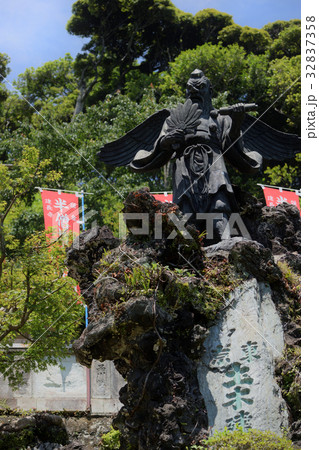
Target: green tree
{"x": 287, "y": 44}
{"x": 38, "y": 303}
{"x": 50, "y": 89}
{"x": 208, "y": 23}
{"x": 72, "y": 147}
{"x": 223, "y": 66}
{"x": 127, "y": 36}
{"x": 256, "y": 80}
{"x": 86, "y": 67}
{"x": 230, "y": 35}
{"x": 4, "y": 70}
{"x": 252, "y": 40}
{"x": 121, "y": 31}
{"x": 275, "y": 28}
{"x": 52, "y": 80}
{"x": 284, "y": 90}
{"x": 15, "y": 111}
{"x": 285, "y": 175}
{"x": 273, "y": 85}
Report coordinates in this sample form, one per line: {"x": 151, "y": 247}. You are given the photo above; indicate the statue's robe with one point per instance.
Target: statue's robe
{"x": 200, "y": 179}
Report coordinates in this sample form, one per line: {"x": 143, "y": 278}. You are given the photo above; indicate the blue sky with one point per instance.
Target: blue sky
{"x": 33, "y": 31}
{"x": 254, "y": 13}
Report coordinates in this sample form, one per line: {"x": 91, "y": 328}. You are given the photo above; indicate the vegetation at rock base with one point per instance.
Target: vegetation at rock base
{"x": 18, "y": 440}
{"x": 35, "y": 430}
{"x": 250, "y": 440}
{"x": 110, "y": 440}
{"x": 291, "y": 279}
{"x": 288, "y": 372}
{"x": 288, "y": 368}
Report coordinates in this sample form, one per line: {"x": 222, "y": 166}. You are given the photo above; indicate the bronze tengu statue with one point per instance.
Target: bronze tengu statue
{"x": 197, "y": 137}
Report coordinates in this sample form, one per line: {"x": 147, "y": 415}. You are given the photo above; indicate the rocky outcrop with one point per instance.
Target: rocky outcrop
{"x": 50, "y": 431}
{"x": 86, "y": 251}
{"x": 163, "y": 407}
{"x": 33, "y": 430}
{"x": 154, "y": 305}
{"x": 277, "y": 228}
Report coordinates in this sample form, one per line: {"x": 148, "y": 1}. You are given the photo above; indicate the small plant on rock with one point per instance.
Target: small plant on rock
{"x": 110, "y": 440}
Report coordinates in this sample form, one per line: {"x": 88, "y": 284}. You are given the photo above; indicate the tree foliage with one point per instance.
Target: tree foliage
{"x": 223, "y": 66}
{"x": 252, "y": 40}
{"x": 38, "y": 307}
{"x": 243, "y": 77}
{"x": 50, "y": 81}
{"x": 4, "y": 70}
{"x": 208, "y": 23}
{"x": 72, "y": 147}
{"x": 230, "y": 35}
{"x": 122, "y": 31}
{"x": 285, "y": 89}
{"x": 287, "y": 44}
{"x": 275, "y": 28}
{"x": 51, "y": 88}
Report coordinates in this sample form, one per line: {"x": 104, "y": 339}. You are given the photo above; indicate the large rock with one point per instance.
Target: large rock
{"x": 277, "y": 228}
{"x": 236, "y": 374}
{"x": 40, "y": 429}
{"x": 192, "y": 354}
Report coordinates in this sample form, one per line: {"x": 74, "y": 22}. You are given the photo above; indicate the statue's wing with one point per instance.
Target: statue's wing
{"x": 122, "y": 151}
{"x": 268, "y": 142}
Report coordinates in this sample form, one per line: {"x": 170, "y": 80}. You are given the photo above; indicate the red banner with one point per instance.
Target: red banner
{"x": 61, "y": 213}
{"x": 168, "y": 198}
{"x": 275, "y": 197}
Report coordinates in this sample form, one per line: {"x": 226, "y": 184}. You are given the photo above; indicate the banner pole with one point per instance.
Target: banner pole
{"x": 277, "y": 187}
{"x": 88, "y": 371}
{"x": 83, "y": 221}
{"x": 60, "y": 190}
{"x": 49, "y": 216}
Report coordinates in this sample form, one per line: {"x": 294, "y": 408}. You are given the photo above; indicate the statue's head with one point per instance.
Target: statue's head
{"x": 199, "y": 90}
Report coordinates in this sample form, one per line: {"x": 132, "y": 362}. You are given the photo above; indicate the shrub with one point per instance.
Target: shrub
{"x": 241, "y": 440}
{"x": 110, "y": 440}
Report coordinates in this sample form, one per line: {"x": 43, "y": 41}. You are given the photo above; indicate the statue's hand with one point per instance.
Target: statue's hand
{"x": 173, "y": 140}
{"x": 238, "y": 112}
{"x": 237, "y": 115}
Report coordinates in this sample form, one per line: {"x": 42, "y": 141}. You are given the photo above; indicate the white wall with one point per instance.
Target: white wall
{"x": 57, "y": 389}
